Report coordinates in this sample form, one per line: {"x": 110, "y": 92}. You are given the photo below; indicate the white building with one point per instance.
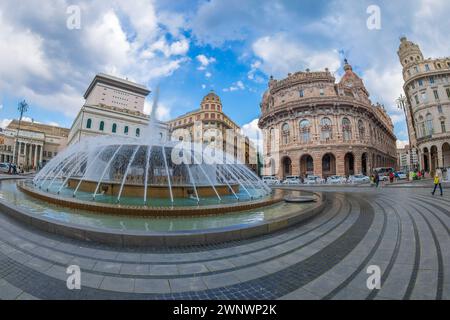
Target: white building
{"x": 113, "y": 106}
{"x": 407, "y": 159}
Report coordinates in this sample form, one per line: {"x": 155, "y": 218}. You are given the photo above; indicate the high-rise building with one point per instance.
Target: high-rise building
{"x": 113, "y": 106}
{"x": 427, "y": 89}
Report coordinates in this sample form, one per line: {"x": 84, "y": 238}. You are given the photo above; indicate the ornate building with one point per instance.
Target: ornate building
{"x": 35, "y": 143}
{"x": 312, "y": 125}
{"x": 199, "y": 123}
{"x": 427, "y": 89}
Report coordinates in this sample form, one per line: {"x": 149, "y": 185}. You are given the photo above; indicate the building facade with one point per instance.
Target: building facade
{"x": 407, "y": 159}
{"x": 113, "y": 106}
{"x": 427, "y": 89}
{"x": 33, "y": 145}
{"x": 315, "y": 126}
{"x": 210, "y": 125}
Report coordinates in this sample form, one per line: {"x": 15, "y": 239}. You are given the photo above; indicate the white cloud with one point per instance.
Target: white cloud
{"x": 252, "y": 131}
{"x": 208, "y": 74}
{"x": 293, "y": 56}
{"x": 162, "y": 113}
{"x": 203, "y": 86}
{"x": 204, "y": 61}
{"x": 51, "y": 66}
{"x": 4, "y": 123}
{"x": 238, "y": 85}
{"x": 402, "y": 143}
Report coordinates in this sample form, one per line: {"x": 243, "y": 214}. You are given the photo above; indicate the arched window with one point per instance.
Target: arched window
{"x": 102, "y": 126}
{"x": 285, "y": 133}
{"x": 346, "y": 129}
{"x": 326, "y": 129}
{"x": 305, "y": 129}
{"x": 125, "y": 130}
{"x": 361, "y": 129}
{"x": 429, "y": 124}
{"x": 114, "y": 128}
{"x": 138, "y": 132}
{"x": 89, "y": 123}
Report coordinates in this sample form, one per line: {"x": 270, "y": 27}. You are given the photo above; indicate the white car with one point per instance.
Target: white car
{"x": 401, "y": 175}
{"x": 292, "y": 180}
{"x": 359, "y": 178}
{"x": 313, "y": 180}
{"x": 4, "y": 167}
{"x": 270, "y": 180}
{"x": 336, "y": 180}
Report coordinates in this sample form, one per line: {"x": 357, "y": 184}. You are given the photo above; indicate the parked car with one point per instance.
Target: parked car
{"x": 312, "y": 180}
{"x": 359, "y": 178}
{"x": 336, "y": 180}
{"x": 4, "y": 167}
{"x": 292, "y": 180}
{"x": 401, "y": 175}
{"x": 271, "y": 180}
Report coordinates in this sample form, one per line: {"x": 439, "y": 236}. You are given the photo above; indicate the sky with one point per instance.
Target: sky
{"x": 188, "y": 48}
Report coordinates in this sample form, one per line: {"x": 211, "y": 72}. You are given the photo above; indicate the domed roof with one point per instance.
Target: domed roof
{"x": 211, "y": 97}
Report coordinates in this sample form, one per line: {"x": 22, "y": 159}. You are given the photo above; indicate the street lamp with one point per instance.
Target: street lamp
{"x": 22, "y": 107}
{"x": 402, "y": 103}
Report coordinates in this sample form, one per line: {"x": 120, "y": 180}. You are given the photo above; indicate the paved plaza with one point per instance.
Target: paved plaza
{"x": 404, "y": 231}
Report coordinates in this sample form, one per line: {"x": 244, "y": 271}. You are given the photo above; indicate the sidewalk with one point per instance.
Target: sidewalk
{"x": 426, "y": 183}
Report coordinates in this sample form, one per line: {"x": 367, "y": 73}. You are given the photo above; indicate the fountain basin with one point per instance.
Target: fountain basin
{"x": 107, "y": 208}
{"x": 129, "y": 231}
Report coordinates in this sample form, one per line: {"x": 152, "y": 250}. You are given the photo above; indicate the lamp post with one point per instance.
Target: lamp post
{"x": 402, "y": 103}
{"x": 22, "y": 107}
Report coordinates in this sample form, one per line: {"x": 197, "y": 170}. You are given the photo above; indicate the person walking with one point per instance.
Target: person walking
{"x": 377, "y": 180}
{"x": 438, "y": 182}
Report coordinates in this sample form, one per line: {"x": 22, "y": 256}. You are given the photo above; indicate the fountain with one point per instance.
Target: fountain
{"x": 148, "y": 175}
{"x": 147, "y": 191}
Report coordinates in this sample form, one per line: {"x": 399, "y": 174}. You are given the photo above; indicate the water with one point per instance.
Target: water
{"x": 10, "y": 193}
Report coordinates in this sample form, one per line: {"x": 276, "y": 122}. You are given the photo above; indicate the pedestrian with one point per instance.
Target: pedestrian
{"x": 438, "y": 182}
{"x": 9, "y": 168}
{"x": 377, "y": 180}
{"x": 391, "y": 177}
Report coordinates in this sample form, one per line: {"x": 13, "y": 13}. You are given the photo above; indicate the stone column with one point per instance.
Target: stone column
{"x": 35, "y": 156}
{"x": 440, "y": 158}
{"x": 41, "y": 149}
{"x": 358, "y": 162}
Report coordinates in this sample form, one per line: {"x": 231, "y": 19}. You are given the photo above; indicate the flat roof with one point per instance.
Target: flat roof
{"x": 118, "y": 83}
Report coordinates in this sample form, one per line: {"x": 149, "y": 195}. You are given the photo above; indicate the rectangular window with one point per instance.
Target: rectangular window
{"x": 427, "y": 67}
{"x": 413, "y": 86}
{"x": 420, "y": 83}
{"x": 416, "y": 69}
{"x": 431, "y": 80}
{"x": 302, "y": 94}
{"x": 443, "y": 127}
{"x": 436, "y": 94}
{"x": 424, "y": 97}
{"x": 439, "y": 107}
{"x": 417, "y": 99}
{"x": 321, "y": 92}
{"x": 448, "y": 92}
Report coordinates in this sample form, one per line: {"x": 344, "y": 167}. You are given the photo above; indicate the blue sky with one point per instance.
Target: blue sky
{"x": 191, "y": 47}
